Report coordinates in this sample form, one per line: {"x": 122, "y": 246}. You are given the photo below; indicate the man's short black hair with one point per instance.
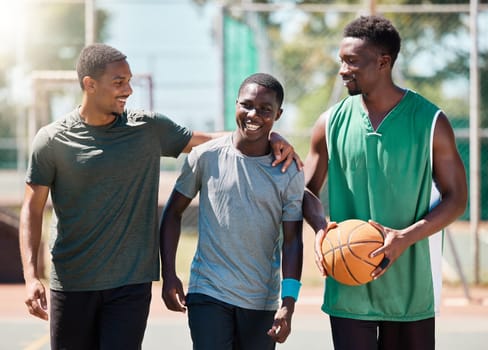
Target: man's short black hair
{"x": 377, "y": 31}
{"x": 94, "y": 58}
{"x": 268, "y": 81}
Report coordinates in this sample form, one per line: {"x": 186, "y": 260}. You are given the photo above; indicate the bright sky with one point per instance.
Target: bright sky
{"x": 9, "y": 20}
{"x": 172, "y": 41}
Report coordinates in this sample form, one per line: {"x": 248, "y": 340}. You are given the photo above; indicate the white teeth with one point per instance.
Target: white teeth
{"x": 347, "y": 81}
{"x": 252, "y": 127}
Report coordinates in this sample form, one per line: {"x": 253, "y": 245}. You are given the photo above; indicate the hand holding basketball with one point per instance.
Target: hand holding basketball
{"x": 346, "y": 251}
{"x": 319, "y": 238}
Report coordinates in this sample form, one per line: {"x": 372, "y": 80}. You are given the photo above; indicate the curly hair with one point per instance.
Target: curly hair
{"x": 266, "y": 80}
{"x": 377, "y": 31}
{"x": 93, "y": 60}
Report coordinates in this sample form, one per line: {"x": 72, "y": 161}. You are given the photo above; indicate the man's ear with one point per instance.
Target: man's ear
{"x": 89, "y": 83}
{"x": 278, "y": 115}
{"x": 385, "y": 61}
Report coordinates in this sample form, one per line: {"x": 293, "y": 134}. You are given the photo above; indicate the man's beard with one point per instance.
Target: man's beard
{"x": 354, "y": 92}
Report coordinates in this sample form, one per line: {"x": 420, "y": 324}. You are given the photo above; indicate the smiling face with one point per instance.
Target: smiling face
{"x": 361, "y": 65}
{"x": 257, "y": 108}
{"x": 109, "y": 92}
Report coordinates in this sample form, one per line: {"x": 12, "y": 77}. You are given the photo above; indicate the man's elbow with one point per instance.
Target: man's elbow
{"x": 460, "y": 203}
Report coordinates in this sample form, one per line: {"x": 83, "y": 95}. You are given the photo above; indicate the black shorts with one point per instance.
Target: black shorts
{"x": 349, "y": 334}
{"x": 100, "y": 320}
{"x": 216, "y": 325}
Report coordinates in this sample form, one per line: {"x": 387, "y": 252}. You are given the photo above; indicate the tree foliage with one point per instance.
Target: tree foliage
{"x": 434, "y": 59}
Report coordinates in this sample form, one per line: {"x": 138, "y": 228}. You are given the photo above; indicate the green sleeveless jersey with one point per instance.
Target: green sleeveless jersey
{"x": 385, "y": 175}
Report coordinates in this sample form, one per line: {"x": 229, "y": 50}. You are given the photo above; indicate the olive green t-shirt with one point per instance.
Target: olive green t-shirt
{"x": 104, "y": 185}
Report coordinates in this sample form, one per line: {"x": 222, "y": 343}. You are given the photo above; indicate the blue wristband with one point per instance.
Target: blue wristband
{"x": 290, "y": 287}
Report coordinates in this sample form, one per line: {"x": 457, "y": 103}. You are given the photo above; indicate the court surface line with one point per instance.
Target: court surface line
{"x": 38, "y": 343}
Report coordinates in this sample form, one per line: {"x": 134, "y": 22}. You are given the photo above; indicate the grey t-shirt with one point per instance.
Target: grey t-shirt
{"x": 243, "y": 201}
{"x": 104, "y": 187}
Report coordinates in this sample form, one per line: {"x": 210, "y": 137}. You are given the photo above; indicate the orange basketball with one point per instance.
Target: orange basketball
{"x": 346, "y": 250}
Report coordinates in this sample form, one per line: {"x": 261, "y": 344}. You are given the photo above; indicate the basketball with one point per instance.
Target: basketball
{"x": 346, "y": 250}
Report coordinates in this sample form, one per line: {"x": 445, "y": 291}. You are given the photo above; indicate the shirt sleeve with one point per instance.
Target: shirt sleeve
{"x": 172, "y": 137}
{"x": 189, "y": 180}
{"x": 293, "y": 198}
{"x": 41, "y": 169}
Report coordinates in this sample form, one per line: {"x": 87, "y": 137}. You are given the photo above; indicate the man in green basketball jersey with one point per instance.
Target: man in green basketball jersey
{"x": 390, "y": 157}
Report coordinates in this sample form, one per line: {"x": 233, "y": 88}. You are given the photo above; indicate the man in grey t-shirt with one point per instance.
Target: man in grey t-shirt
{"x": 234, "y": 288}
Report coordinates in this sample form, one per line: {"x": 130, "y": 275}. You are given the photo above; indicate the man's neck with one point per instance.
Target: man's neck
{"x": 95, "y": 118}
{"x": 378, "y": 106}
{"x": 256, "y": 148}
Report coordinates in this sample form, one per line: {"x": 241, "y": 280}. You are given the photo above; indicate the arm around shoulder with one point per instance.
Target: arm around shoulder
{"x": 199, "y": 137}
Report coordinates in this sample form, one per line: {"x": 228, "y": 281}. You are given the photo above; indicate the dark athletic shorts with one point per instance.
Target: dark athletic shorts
{"x": 349, "y": 334}
{"x": 216, "y": 325}
{"x": 100, "y": 320}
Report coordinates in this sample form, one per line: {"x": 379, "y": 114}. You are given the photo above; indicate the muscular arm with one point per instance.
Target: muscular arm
{"x": 315, "y": 169}
{"x": 30, "y": 233}
{"x": 199, "y": 137}
{"x": 450, "y": 178}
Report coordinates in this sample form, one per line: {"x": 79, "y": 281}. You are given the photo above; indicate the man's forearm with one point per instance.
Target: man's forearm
{"x": 313, "y": 211}
{"x": 29, "y": 241}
